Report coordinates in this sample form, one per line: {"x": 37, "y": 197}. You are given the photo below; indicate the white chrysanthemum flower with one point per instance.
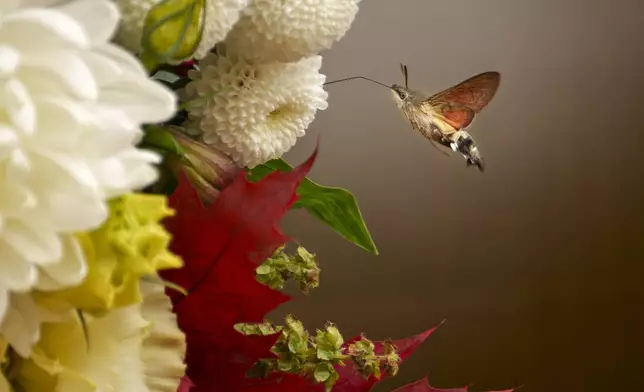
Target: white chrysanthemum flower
{"x": 71, "y": 106}
{"x": 289, "y": 30}
{"x": 220, "y": 16}
{"x": 165, "y": 345}
{"x": 254, "y": 112}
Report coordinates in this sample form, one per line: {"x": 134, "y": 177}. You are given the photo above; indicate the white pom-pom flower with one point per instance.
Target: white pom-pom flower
{"x": 289, "y": 30}
{"x": 71, "y": 106}
{"x": 254, "y": 112}
{"x": 220, "y": 16}
{"x": 130, "y": 29}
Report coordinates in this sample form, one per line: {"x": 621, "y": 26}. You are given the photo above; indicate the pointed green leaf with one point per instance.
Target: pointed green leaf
{"x": 335, "y": 207}
{"x": 172, "y": 30}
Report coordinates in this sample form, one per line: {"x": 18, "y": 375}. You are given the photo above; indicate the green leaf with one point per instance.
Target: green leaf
{"x": 335, "y": 207}
{"x": 295, "y": 326}
{"x": 285, "y": 365}
{"x": 165, "y": 76}
{"x": 334, "y": 337}
{"x": 296, "y": 344}
{"x": 322, "y": 372}
{"x": 172, "y": 30}
{"x": 325, "y": 354}
{"x": 161, "y": 140}
{"x": 264, "y": 269}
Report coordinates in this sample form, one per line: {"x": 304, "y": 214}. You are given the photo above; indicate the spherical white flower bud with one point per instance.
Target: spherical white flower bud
{"x": 289, "y": 30}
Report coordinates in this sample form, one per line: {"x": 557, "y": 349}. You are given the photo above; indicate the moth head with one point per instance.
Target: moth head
{"x": 401, "y": 94}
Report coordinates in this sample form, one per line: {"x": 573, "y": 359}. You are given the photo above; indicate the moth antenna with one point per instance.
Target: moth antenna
{"x": 406, "y": 74}
{"x": 403, "y": 70}
{"x": 357, "y": 77}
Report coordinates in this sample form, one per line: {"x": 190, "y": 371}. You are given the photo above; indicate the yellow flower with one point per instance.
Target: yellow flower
{"x": 119, "y": 351}
{"x": 131, "y": 244}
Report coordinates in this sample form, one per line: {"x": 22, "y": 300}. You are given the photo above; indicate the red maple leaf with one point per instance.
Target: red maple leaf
{"x": 422, "y": 385}
{"x": 221, "y": 245}
{"x": 351, "y": 381}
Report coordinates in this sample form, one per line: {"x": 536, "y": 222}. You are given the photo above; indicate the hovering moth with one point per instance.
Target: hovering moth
{"x": 443, "y": 117}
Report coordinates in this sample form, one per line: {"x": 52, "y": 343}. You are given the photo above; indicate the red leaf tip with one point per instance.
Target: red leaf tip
{"x": 423, "y": 385}
{"x": 305, "y": 167}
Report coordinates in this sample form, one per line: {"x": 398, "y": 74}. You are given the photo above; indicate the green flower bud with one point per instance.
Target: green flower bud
{"x": 207, "y": 168}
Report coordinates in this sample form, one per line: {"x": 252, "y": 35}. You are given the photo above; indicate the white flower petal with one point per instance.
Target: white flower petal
{"x": 4, "y": 302}
{"x": 16, "y": 199}
{"x": 40, "y": 3}
{"x": 74, "y": 212}
{"x": 164, "y": 348}
{"x": 137, "y": 166}
{"x": 141, "y": 99}
{"x": 57, "y": 164}
{"x": 49, "y": 26}
{"x": 65, "y": 67}
{"x": 8, "y": 140}
{"x": 66, "y": 125}
{"x": 114, "y": 362}
{"x": 104, "y": 70}
{"x": 122, "y": 57}
{"x": 21, "y": 324}
{"x": 32, "y": 243}
{"x": 15, "y": 274}
{"x": 17, "y": 166}
{"x": 101, "y": 29}
{"x": 111, "y": 173}
{"x": 15, "y": 100}
{"x": 69, "y": 271}
{"x": 9, "y": 59}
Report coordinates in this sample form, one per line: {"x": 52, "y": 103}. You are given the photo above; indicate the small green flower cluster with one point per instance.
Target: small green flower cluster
{"x": 318, "y": 356}
{"x": 301, "y": 267}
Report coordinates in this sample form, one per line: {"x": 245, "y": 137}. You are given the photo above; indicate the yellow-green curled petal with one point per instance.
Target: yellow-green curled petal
{"x": 131, "y": 244}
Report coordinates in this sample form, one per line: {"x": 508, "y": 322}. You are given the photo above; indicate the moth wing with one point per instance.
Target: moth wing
{"x": 458, "y": 118}
{"x": 449, "y": 118}
{"x": 474, "y": 93}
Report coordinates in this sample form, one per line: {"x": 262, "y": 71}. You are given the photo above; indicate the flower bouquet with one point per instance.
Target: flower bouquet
{"x": 141, "y": 188}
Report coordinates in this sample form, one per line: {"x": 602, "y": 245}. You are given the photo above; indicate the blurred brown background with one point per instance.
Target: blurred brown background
{"x": 536, "y": 264}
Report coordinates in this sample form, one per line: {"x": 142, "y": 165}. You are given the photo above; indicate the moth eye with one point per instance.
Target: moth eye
{"x": 402, "y": 95}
